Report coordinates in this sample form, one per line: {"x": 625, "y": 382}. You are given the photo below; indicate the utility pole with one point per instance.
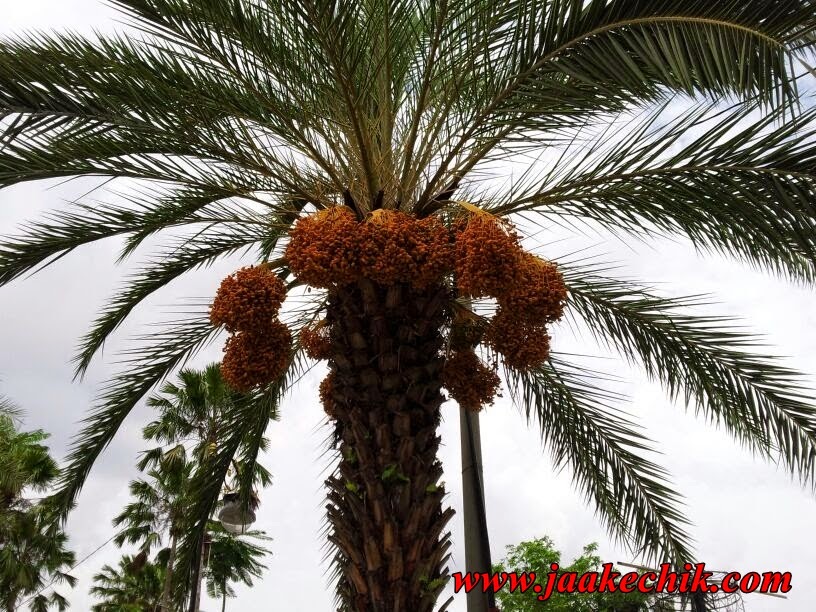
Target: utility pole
{"x": 477, "y": 543}
{"x": 198, "y": 575}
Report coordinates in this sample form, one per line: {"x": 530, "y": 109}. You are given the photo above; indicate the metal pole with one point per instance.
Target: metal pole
{"x": 477, "y": 543}
{"x": 195, "y": 593}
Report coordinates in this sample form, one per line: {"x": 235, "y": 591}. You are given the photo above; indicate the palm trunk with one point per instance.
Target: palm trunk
{"x": 166, "y": 603}
{"x": 224, "y": 597}
{"x": 385, "y": 502}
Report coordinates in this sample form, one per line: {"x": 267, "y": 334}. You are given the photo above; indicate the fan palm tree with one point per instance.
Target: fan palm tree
{"x": 25, "y": 463}
{"x": 191, "y": 418}
{"x": 33, "y": 556}
{"x": 192, "y": 412}
{"x": 237, "y": 121}
{"x": 132, "y": 587}
{"x": 157, "y": 509}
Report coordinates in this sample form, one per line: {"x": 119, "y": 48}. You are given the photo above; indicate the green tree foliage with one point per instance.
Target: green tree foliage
{"x": 233, "y": 559}
{"x": 25, "y": 463}
{"x": 134, "y": 586}
{"x": 186, "y": 430}
{"x": 230, "y": 120}
{"x": 536, "y": 556}
{"x": 33, "y": 550}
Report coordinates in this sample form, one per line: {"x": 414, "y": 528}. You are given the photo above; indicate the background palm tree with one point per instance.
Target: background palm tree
{"x": 33, "y": 556}
{"x": 134, "y": 586}
{"x": 187, "y": 430}
{"x": 191, "y": 414}
{"x": 25, "y": 463}
{"x": 233, "y": 559}
{"x": 33, "y": 550}
{"x": 238, "y": 118}
{"x": 157, "y": 510}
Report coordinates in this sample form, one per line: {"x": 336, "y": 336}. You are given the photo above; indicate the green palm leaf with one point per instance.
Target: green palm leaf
{"x": 145, "y": 367}
{"x": 750, "y": 177}
{"x": 703, "y": 361}
{"x": 187, "y": 255}
{"x": 584, "y": 431}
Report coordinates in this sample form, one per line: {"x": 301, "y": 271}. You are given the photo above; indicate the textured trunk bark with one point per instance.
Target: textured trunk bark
{"x": 166, "y": 603}
{"x": 385, "y": 502}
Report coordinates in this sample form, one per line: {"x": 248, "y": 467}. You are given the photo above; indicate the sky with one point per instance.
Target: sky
{"x": 746, "y": 515}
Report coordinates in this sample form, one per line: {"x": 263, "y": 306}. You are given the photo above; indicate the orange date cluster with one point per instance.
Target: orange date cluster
{"x": 327, "y": 394}
{"x": 316, "y": 341}
{"x": 469, "y": 381}
{"x": 256, "y": 358}
{"x": 332, "y": 248}
{"x": 247, "y": 305}
{"x": 248, "y": 299}
{"x": 487, "y": 254}
{"x": 530, "y": 291}
{"x": 481, "y": 255}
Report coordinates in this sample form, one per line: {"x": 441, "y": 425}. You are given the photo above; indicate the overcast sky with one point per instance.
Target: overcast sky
{"x": 747, "y": 515}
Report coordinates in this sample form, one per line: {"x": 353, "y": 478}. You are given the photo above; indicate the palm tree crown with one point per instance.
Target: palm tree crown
{"x": 295, "y": 131}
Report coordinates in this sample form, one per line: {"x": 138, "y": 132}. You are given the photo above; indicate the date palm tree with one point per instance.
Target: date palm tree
{"x": 238, "y": 121}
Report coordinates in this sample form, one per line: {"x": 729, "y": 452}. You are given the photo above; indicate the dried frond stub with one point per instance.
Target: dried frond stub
{"x": 327, "y": 395}
{"x": 397, "y": 247}
{"x": 486, "y": 256}
{"x": 323, "y": 249}
{"x": 539, "y": 295}
{"x": 521, "y": 344}
{"x": 248, "y": 299}
{"x": 257, "y": 358}
{"x": 316, "y": 340}
{"x": 469, "y": 381}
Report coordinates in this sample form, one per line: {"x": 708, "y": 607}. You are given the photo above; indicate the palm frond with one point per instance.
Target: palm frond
{"x": 584, "y": 432}
{"x": 185, "y": 256}
{"x": 246, "y": 414}
{"x": 706, "y": 362}
{"x": 143, "y": 368}
{"x": 45, "y": 241}
{"x": 729, "y": 182}
{"x": 252, "y": 473}
{"x": 547, "y": 63}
